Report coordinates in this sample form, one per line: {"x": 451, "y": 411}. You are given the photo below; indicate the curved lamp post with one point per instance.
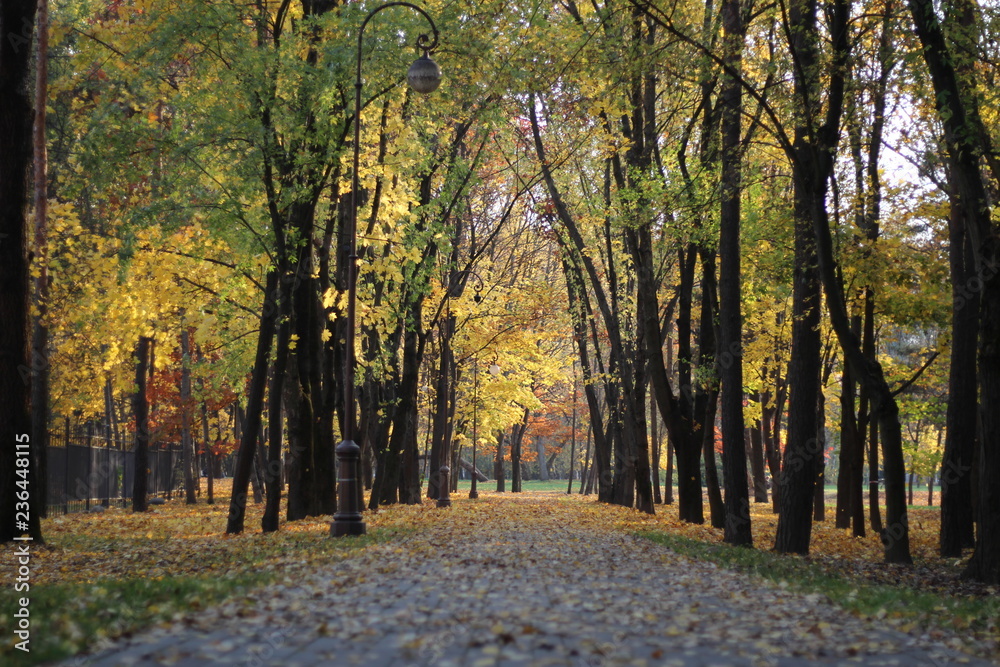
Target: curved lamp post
{"x": 424, "y": 76}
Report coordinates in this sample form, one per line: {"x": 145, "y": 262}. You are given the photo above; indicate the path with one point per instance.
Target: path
{"x": 525, "y": 580}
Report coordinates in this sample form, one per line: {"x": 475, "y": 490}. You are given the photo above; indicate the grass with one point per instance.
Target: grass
{"x": 920, "y": 497}
{"x": 532, "y": 485}
{"x": 904, "y": 606}
{"x": 808, "y": 577}
{"x": 66, "y": 618}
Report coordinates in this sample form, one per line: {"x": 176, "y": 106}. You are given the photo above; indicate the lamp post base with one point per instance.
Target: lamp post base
{"x": 444, "y": 488}
{"x": 474, "y": 487}
{"x": 347, "y": 527}
{"x": 348, "y": 521}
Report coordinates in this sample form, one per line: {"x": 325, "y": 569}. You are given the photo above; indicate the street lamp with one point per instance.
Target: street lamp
{"x": 424, "y": 76}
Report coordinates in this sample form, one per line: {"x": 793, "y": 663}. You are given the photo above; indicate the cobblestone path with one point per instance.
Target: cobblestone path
{"x": 542, "y": 585}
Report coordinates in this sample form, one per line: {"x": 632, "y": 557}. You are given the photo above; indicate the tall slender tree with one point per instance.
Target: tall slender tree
{"x": 969, "y": 147}
{"x": 140, "y": 408}
{"x": 737, "y": 499}
{"x": 40, "y": 330}
{"x": 17, "y": 21}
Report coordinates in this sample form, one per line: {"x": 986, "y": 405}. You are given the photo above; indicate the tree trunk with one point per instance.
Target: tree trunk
{"x": 543, "y": 471}
{"x": 623, "y": 421}
{"x": 687, "y": 439}
{"x": 368, "y": 462}
{"x": 668, "y": 484}
{"x": 636, "y": 429}
{"x": 874, "y": 511}
{"x": 657, "y": 447}
{"x": 668, "y": 365}
{"x": 314, "y": 481}
{"x": 40, "y": 331}
{"x": 140, "y": 408}
{"x": 716, "y": 506}
{"x": 295, "y": 508}
{"x": 858, "y": 521}
{"x": 551, "y": 462}
{"x": 585, "y": 475}
{"x": 579, "y": 306}
{"x": 966, "y": 139}
{"x": 960, "y": 441}
{"x": 516, "y": 441}
{"x": 109, "y": 435}
{"x": 498, "y": 471}
{"x": 848, "y": 448}
{"x": 259, "y": 457}
{"x": 819, "y": 497}
{"x": 800, "y": 460}
{"x": 572, "y": 442}
{"x": 277, "y": 298}
{"x": 441, "y": 406}
{"x": 591, "y": 481}
{"x": 689, "y": 505}
{"x": 757, "y": 463}
{"x": 730, "y": 358}
{"x": 255, "y": 405}
{"x": 772, "y": 436}
{"x": 187, "y": 440}
{"x": 708, "y": 358}
{"x": 404, "y": 414}
{"x": 207, "y": 454}
{"x": 304, "y": 176}
{"x": 467, "y": 466}
{"x": 866, "y": 368}
{"x": 409, "y": 488}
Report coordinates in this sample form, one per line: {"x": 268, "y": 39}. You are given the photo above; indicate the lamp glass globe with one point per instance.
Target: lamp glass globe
{"x": 424, "y": 75}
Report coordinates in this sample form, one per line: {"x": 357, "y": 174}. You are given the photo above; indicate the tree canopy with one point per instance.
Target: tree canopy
{"x": 769, "y": 227}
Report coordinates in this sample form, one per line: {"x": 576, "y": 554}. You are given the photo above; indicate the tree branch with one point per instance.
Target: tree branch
{"x": 906, "y": 385}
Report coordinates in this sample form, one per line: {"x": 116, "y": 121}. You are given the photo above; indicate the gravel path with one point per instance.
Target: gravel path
{"x": 532, "y": 581}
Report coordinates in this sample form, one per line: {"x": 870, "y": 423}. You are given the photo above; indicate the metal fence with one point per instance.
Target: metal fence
{"x": 81, "y": 476}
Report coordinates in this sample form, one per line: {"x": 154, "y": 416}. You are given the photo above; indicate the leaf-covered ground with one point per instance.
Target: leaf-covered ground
{"x": 837, "y": 551}
{"x": 103, "y": 575}
{"x": 521, "y": 579}
{"x": 928, "y": 597}
{"x": 178, "y": 539}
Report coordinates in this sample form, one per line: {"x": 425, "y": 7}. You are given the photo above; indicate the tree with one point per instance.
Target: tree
{"x": 140, "y": 408}
{"x": 39, "y": 332}
{"x": 737, "y": 528}
{"x": 876, "y": 62}
{"x": 812, "y": 159}
{"x": 255, "y": 400}
{"x": 969, "y": 145}
{"x": 17, "y": 21}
